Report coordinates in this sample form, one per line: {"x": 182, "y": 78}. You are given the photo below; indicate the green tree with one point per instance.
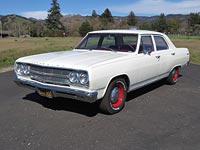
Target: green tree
{"x": 194, "y": 19}
{"x": 85, "y": 28}
{"x": 131, "y": 21}
{"x": 194, "y": 23}
{"x": 145, "y": 26}
{"x": 174, "y": 25}
{"x": 107, "y": 16}
{"x": 161, "y": 24}
{"x": 54, "y": 16}
{"x": 94, "y": 14}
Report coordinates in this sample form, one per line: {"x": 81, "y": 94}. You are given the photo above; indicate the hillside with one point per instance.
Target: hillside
{"x": 143, "y": 19}
{"x": 20, "y": 26}
{"x": 16, "y": 25}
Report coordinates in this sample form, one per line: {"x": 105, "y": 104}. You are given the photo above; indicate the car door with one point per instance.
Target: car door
{"x": 164, "y": 53}
{"x": 149, "y": 62}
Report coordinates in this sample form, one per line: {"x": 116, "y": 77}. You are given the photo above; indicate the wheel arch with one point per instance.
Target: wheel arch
{"x": 176, "y": 66}
{"x": 106, "y": 104}
{"x": 173, "y": 75}
{"x": 123, "y": 76}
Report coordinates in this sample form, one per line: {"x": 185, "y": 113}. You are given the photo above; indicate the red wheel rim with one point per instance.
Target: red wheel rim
{"x": 120, "y": 95}
{"x": 176, "y": 74}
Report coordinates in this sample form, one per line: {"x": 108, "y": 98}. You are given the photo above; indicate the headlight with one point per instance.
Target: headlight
{"x": 78, "y": 77}
{"x": 73, "y": 77}
{"x": 22, "y": 69}
{"x": 83, "y": 77}
{"x": 17, "y": 68}
{"x": 26, "y": 70}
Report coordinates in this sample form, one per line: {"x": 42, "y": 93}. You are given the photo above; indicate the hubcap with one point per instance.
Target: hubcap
{"x": 114, "y": 95}
{"x": 117, "y": 95}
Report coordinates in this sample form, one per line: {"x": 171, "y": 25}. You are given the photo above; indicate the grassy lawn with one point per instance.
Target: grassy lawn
{"x": 193, "y": 45}
{"x": 13, "y": 48}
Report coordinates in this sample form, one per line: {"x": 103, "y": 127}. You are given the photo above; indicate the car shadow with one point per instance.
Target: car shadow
{"x": 84, "y": 108}
{"x": 65, "y": 104}
{"x": 146, "y": 89}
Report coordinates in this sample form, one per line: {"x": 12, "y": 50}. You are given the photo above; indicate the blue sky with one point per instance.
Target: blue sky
{"x": 38, "y": 8}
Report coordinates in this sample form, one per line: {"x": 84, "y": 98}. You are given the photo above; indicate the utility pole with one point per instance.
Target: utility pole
{"x": 1, "y": 29}
{"x": 19, "y": 31}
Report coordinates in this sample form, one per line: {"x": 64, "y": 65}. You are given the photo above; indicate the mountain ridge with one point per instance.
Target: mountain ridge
{"x": 18, "y": 25}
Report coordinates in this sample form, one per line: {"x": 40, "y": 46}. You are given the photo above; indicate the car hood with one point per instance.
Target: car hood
{"x": 76, "y": 59}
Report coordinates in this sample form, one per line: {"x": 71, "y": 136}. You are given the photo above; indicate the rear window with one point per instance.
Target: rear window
{"x": 160, "y": 43}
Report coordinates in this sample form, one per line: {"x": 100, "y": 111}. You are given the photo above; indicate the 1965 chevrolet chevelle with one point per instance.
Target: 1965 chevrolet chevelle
{"x": 105, "y": 66}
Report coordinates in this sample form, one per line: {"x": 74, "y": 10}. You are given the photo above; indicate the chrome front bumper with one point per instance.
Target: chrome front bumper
{"x": 59, "y": 91}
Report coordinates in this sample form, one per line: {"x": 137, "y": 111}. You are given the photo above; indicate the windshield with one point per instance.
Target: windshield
{"x": 112, "y": 42}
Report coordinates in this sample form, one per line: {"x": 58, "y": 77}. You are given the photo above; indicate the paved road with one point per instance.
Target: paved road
{"x": 157, "y": 117}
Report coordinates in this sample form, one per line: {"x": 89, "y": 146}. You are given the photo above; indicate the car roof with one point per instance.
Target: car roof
{"x": 127, "y": 31}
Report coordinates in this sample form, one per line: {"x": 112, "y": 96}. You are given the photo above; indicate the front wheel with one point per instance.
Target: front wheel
{"x": 115, "y": 97}
{"x": 173, "y": 76}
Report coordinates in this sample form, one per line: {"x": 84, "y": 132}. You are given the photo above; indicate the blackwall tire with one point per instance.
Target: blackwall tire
{"x": 173, "y": 76}
{"x": 115, "y": 97}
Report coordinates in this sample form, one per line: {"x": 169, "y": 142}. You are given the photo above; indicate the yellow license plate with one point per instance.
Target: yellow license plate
{"x": 45, "y": 93}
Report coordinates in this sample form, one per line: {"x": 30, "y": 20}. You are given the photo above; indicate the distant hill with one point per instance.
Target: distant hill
{"x": 17, "y": 25}
{"x": 143, "y": 19}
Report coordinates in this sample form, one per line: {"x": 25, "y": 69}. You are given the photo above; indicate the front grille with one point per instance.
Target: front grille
{"x": 49, "y": 75}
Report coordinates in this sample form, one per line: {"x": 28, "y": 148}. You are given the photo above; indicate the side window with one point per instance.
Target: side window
{"x": 146, "y": 45}
{"x": 130, "y": 39}
{"x": 160, "y": 43}
{"x": 129, "y": 42}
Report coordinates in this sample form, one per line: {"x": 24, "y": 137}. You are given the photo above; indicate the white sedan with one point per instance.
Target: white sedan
{"x": 105, "y": 66}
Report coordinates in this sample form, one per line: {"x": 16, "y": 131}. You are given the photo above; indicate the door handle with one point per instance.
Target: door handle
{"x": 173, "y": 53}
{"x": 158, "y": 57}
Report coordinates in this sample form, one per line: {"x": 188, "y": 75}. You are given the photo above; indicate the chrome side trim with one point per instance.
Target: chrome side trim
{"x": 147, "y": 82}
{"x": 65, "y": 92}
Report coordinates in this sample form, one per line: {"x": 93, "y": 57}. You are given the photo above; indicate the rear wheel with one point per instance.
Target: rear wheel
{"x": 115, "y": 97}
{"x": 173, "y": 76}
